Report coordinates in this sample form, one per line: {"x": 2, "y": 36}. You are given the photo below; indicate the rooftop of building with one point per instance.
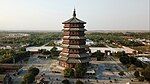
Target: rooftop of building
{"x": 144, "y": 59}
{"x": 74, "y": 19}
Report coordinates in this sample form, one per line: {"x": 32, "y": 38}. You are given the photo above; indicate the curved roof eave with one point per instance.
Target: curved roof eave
{"x": 74, "y": 20}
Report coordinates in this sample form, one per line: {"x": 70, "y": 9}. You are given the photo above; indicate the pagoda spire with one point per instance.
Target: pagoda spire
{"x": 74, "y": 13}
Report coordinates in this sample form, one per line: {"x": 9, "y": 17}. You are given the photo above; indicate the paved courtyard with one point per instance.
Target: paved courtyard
{"x": 105, "y": 71}
{"x": 109, "y": 71}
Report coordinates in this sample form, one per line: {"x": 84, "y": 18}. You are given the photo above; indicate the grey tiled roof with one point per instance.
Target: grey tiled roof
{"x": 63, "y": 58}
{"x": 70, "y": 60}
{"x": 74, "y": 37}
{"x": 74, "y": 29}
{"x": 73, "y": 46}
{"x": 74, "y": 20}
{"x": 74, "y": 60}
{"x": 75, "y": 55}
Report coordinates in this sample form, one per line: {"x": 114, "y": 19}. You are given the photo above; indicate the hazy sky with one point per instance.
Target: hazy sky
{"x": 99, "y": 14}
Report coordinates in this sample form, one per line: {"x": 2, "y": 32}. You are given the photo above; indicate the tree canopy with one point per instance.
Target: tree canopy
{"x": 69, "y": 72}
{"x": 66, "y": 81}
{"x": 33, "y": 70}
{"x": 146, "y": 73}
{"x": 80, "y": 70}
{"x": 79, "y": 82}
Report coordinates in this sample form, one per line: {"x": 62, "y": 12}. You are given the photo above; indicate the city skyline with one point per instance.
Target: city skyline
{"x": 49, "y": 14}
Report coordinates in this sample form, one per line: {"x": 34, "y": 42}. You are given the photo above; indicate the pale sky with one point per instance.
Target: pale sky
{"x": 99, "y": 14}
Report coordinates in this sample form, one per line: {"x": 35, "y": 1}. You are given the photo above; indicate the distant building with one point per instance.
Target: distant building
{"x": 16, "y": 35}
{"x": 103, "y": 49}
{"x": 5, "y": 47}
{"x": 25, "y": 45}
{"x": 127, "y": 50}
{"x": 89, "y": 42}
{"x": 36, "y": 49}
{"x": 74, "y": 43}
{"x": 144, "y": 59}
{"x": 90, "y": 72}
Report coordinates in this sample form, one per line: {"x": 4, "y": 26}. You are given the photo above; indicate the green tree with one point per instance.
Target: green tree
{"x": 79, "y": 82}
{"x": 120, "y": 54}
{"x": 69, "y": 72}
{"x": 54, "y": 51}
{"x": 99, "y": 55}
{"x": 22, "y": 49}
{"x": 33, "y": 70}
{"x": 139, "y": 64}
{"x": 133, "y": 60}
{"x": 146, "y": 73}
{"x": 124, "y": 60}
{"x": 21, "y": 55}
{"x": 51, "y": 43}
{"x": 66, "y": 81}
{"x": 29, "y": 78}
{"x": 80, "y": 70}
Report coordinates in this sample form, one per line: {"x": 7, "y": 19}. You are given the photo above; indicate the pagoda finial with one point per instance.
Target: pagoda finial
{"x": 74, "y": 13}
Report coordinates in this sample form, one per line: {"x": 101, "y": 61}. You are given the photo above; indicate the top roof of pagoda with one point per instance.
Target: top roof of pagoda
{"x": 74, "y": 19}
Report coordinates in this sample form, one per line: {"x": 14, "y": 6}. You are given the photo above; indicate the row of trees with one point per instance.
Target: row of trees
{"x": 34, "y": 39}
{"x": 30, "y": 76}
{"x": 10, "y": 56}
{"x": 126, "y": 42}
{"x": 142, "y": 75}
{"x": 141, "y": 35}
{"x": 126, "y": 60}
{"x": 118, "y": 38}
{"x": 103, "y": 37}
{"x": 38, "y": 39}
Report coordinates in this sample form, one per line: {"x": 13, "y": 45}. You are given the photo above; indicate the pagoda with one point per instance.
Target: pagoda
{"x": 74, "y": 43}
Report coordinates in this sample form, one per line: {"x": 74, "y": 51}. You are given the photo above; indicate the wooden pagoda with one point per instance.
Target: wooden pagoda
{"x": 74, "y": 43}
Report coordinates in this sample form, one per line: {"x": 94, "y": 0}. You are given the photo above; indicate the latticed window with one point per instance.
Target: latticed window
{"x": 65, "y": 41}
{"x": 71, "y": 51}
{"x": 66, "y": 33}
{"x": 67, "y": 25}
{"x": 74, "y": 51}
